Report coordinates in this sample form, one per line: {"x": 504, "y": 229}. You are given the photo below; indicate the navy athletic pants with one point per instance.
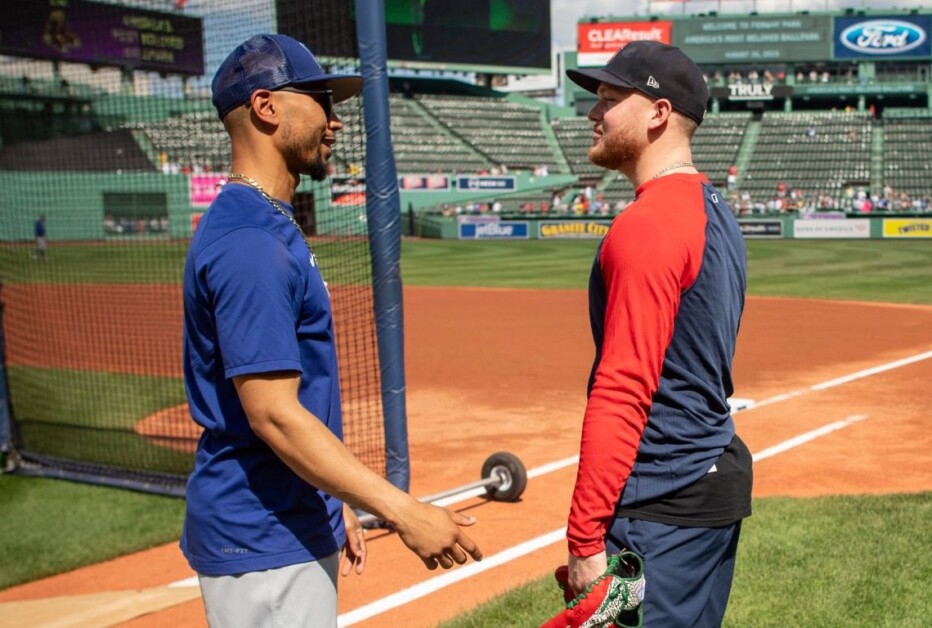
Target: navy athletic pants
{"x": 688, "y": 571}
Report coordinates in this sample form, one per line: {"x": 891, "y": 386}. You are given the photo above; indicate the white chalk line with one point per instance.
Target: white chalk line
{"x": 802, "y": 439}
{"x": 448, "y": 578}
{"x": 838, "y": 381}
{"x": 412, "y": 593}
{"x": 406, "y": 596}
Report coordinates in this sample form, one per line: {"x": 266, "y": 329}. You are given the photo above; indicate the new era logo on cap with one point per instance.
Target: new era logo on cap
{"x": 652, "y": 82}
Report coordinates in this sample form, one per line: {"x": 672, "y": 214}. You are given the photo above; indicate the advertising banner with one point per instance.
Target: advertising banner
{"x": 761, "y": 228}
{"x": 597, "y": 42}
{"x": 504, "y": 230}
{"x": 899, "y": 37}
{"x": 572, "y": 229}
{"x": 755, "y": 38}
{"x": 204, "y": 188}
{"x": 103, "y": 34}
{"x": 482, "y": 182}
{"x": 428, "y": 183}
{"x": 907, "y": 228}
{"x": 839, "y": 228}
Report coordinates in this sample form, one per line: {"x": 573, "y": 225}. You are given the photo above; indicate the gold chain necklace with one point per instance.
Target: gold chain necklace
{"x": 679, "y": 164}
{"x": 238, "y": 176}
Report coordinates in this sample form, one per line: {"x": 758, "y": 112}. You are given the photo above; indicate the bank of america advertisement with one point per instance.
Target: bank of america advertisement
{"x": 598, "y": 42}
{"x": 880, "y": 38}
{"x": 757, "y": 38}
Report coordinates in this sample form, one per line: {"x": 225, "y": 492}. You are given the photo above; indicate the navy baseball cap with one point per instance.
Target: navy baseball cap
{"x": 272, "y": 62}
{"x": 654, "y": 69}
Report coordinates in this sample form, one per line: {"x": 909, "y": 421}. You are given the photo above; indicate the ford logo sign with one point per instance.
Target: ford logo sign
{"x": 883, "y": 37}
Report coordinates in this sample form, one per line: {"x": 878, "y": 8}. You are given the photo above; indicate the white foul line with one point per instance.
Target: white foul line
{"x": 405, "y": 596}
{"x": 451, "y": 577}
{"x": 402, "y": 597}
{"x": 844, "y": 380}
{"x": 796, "y": 441}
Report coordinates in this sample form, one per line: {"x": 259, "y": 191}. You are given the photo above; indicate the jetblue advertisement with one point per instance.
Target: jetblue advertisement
{"x": 894, "y": 37}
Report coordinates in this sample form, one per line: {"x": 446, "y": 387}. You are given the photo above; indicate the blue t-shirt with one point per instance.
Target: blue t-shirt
{"x": 254, "y": 302}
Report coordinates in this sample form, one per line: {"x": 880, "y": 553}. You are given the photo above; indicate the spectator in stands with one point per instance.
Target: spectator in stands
{"x": 731, "y": 179}
{"x": 661, "y": 471}
{"x": 810, "y": 132}
{"x": 42, "y": 243}
{"x": 598, "y": 204}
{"x": 265, "y": 519}
{"x": 557, "y": 201}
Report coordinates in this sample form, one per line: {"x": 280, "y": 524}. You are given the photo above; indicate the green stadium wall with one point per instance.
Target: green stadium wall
{"x": 73, "y": 204}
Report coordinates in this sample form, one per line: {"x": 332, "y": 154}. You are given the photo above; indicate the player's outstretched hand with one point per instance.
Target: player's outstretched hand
{"x": 435, "y": 535}
{"x": 354, "y": 550}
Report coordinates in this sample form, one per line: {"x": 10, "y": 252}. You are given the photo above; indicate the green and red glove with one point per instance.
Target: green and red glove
{"x": 613, "y": 600}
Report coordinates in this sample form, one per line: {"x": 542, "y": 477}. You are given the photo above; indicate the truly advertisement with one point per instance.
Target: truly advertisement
{"x": 837, "y": 228}
{"x": 573, "y": 229}
{"x": 899, "y": 37}
{"x": 503, "y": 230}
{"x": 755, "y": 38}
{"x": 907, "y": 228}
{"x": 599, "y": 41}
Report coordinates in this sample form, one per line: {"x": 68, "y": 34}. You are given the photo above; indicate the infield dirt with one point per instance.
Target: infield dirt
{"x": 491, "y": 370}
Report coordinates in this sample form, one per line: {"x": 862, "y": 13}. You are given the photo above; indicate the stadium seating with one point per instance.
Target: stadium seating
{"x": 115, "y": 151}
{"x": 716, "y": 144}
{"x": 189, "y": 139}
{"x": 421, "y": 147}
{"x": 907, "y": 168}
{"x": 506, "y": 132}
{"x": 820, "y": 152}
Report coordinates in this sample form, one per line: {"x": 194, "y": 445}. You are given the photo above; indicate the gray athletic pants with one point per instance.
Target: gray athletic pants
{"x": 302, "y": 595}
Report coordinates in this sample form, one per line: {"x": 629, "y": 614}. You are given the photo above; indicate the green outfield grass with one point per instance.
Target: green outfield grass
{"x": 864, "y": 270}
{"x": 833, "y": 561}
{"x": 803, "y": 562}
{"x": 868, "y": 270}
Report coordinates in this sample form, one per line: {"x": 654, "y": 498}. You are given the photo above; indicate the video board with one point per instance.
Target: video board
{"x": 81, "y": 31}
{"x": 762, "y": 38}
{"x": 511, "y": 35}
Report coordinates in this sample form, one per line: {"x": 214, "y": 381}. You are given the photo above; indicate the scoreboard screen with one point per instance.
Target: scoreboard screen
{"x": 80, "y": 31}
{"x": 438, "y": 34}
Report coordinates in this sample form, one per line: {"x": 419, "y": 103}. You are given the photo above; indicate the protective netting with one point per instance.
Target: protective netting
{"x": 111, "y": 151}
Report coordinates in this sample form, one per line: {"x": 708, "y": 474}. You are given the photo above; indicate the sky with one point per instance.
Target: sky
{"x": 566, "y": 13}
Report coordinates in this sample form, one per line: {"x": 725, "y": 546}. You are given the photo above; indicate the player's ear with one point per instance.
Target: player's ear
{"x": 660, "y": 111}
{"x": 262, "y": 106}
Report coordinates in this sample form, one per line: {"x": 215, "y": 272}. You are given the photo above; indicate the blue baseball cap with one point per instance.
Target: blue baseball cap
{"x": 272, "y": 62}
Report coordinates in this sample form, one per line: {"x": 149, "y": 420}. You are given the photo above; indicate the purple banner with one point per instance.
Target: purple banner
{"x": 80, "y": 31}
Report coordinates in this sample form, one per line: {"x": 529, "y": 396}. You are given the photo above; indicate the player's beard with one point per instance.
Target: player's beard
{"x": 316, "y": 166}
{"x": 317, "y": 169}
{"x": 614, "y": 149}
